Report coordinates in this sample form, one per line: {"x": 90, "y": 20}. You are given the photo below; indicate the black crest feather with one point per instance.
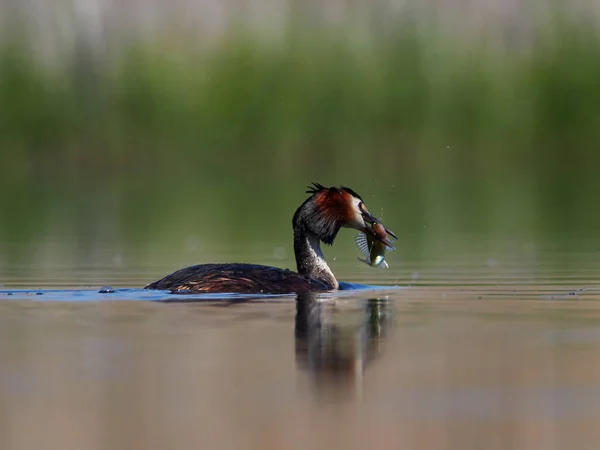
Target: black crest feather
{"x": 316, "y": 187}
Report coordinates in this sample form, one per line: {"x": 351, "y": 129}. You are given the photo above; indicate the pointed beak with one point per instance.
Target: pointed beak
{"x": 385, "y": 241}
{"x": 370, "y": 219}
{"x": 391, "y": 233}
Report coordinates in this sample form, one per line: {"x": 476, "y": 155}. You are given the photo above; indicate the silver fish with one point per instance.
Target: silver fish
{"x": 372, "y": 248}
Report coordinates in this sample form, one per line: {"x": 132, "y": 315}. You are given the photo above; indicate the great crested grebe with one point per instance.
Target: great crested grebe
{"x": 317, "y": 220}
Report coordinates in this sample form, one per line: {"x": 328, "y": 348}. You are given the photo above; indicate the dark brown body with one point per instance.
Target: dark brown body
{"x": 236, "y": 278}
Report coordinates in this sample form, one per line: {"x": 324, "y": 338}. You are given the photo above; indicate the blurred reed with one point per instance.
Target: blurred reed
{"x": 322, "y": 94}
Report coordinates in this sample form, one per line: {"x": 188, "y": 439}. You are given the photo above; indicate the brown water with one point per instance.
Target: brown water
{"x": 483, "y": 351}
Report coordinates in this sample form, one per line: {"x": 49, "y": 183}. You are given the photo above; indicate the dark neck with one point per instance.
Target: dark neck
{"x": 310, "y": 261}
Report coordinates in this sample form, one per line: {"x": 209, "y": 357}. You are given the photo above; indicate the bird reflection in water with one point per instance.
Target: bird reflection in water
{"x": 336, "y": 344}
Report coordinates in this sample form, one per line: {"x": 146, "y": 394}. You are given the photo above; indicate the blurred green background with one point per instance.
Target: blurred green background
{"x": 124, "y": 145}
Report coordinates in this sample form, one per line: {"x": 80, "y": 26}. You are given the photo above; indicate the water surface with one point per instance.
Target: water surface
{"x": 470, "y": 351}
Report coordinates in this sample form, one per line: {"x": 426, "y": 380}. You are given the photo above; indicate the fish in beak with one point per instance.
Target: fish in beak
{"x": 380, "y": 236}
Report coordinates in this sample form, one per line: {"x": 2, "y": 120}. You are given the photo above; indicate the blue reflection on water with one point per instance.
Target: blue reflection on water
{"x": 83, "y": 295}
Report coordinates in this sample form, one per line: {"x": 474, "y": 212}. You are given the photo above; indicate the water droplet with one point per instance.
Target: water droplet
{"x": 279, "y": 253}
{"x": 491, "y": 262}
{"x": 192, "y": 244}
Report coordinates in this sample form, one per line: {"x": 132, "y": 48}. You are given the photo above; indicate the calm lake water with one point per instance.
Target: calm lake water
{"x": 494, "y": 349}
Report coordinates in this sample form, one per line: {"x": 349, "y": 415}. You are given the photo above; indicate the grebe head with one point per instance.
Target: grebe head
{"x": 329, "y": 209}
